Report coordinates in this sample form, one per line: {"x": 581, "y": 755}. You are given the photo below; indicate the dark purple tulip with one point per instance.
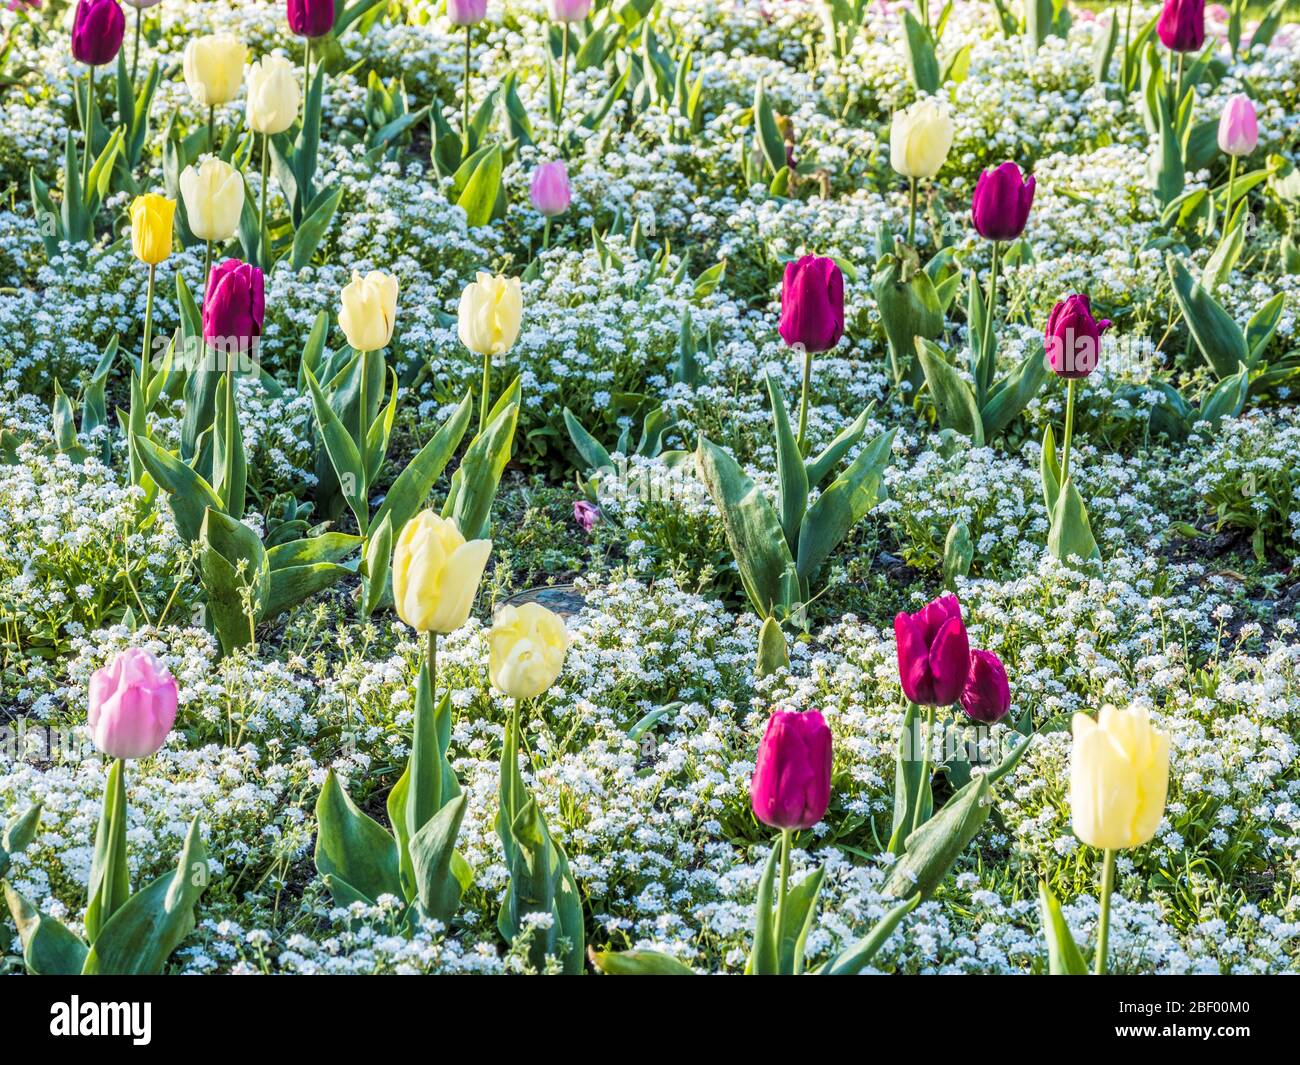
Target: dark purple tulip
{"x": 1072, "y": 339}
{"x": 234, "y": 308}
{"x": 1182, "y": 25}
{"x": 791, "y": 786}
{"x": 812, "y": 304}
{"x": 987, "y": 695}
{"x": 933, "y": 652}
{"x": 97, "y": 29}
{"x": 1000, "y": 206}
{"x": 311, "y": 18}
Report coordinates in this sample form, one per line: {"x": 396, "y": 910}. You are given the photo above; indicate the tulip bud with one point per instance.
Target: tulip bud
{"x": 987, "y": 695}
{"x": 1119, "y": 775}
{"x": 151, "y": 227}
{"x": 1000, "y": 206}
{"x": 812, "y": 304}
{"x": 490, "y": 310}
{"x": 311, "y": 18}
{"x": 97, "y": 29}
{"x": 791, "y": 786}
{"x": 933, "y": 652}
{"x": 1182, "y": 25}
{"x": 586, "y": 514}
{"x": 526, "y": 648}
{"x": 213, "y": 194}
{"x": 1238, "y": 127}
{"x": 1072, "y": 340}
{"x": 436, "y": 573}
{"x": 369, "y": 310}
{"x": 549, "y": 190}
{"x": 919, "y": 139}
{"x": 213, "y": 68}
{"x": 234, "y": 307}
{"x": 466, "y": 12}
{"x": 273, "y": 95}
{"x": 132, "y": 705}
{"x": 570, "y": 10}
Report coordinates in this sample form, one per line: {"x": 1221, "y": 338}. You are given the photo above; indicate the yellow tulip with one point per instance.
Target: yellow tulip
{"x": 526, "y": 650}
{"x": 369, "y": 309}
{"x": 213, "y": 193}
{"x": 490, "y": 310}
{"x": 1119, "y": 776}
{"x": 919, "y": 139}
{"x": 151, "y": 227}
{"x": 436, "y": 573}
{"x": 213, "y": 67}
{"x": 273, "y": 95}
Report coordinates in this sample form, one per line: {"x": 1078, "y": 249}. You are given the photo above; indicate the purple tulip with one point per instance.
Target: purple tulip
{"x": 933, "y": 652}
{"x": 235, "y": 305}
{"x": 812, "y": 304}
{"x": 791, "y": 786}
{"x": 987, "y": 695}
{"x": 586, "y": 514}
{"x": 1000, "y": 206}
{"x": 132, "y": 705}
{"x": 549, "y": 190}
{"x": 1072, "y": 339}
{"x": 466, "y": 12}
{"x": 311, "y": 18}
{"x": 1238, "y": 127}
{"x": 1182, "y": 25}
{"x": 97, "y": 30}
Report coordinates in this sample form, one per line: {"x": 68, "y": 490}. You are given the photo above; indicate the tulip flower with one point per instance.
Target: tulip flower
{"x": 791, "y": 785}
{"x": 97, "y": 30}
{"x": 151, "y": 228}
{"x": 234, "y": 307}
{"x": 933, "y": 652}
{"x": 273, "y": 98}
{"x": 812, "y": 316}
{"x": 466, "y": 12}
{"x": 214, "y": 68}
{"x": 488, "y": 324}
{"x": 213, "y": 194}
{"x": 1072, "y": 342}
{"x": 132, "y": 705}
{"x": 586, "y": 514}
{"x": 919, "y": 139}
{"x": 549, "y": 189}
{"x": 1181, "y": 27}
{"x": 987, "y": 695}
{"x": 1119, "y": 777}
{"x": 569, "y": 10}
{"x": 369, "y": 310}
{"x": 526, "y": 647}
{"x": 311, "y": 18}
{"x": 999, "y": 211}
{"x": 436, "y": 573}
{"x": 1238, "y": 136}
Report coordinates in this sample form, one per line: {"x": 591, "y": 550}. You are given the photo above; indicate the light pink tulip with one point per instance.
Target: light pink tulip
{"x": 1238, "y": 129}
{"x": 466, "y": 12}
{"x": 132, "y": 705}
{"x": 570, "y": 10}
{"x": 550, "y": 189}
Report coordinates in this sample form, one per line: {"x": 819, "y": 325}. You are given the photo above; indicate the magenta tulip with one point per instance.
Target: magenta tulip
{"x": 791, "y": 786}
{"x": 586, "y": 514}
{"x": 235, "y": 305}
{"x": 549, "y": 190}
{"x": 466, "y": 12}
{"x": 1072, "y": 339}
{"x": 987, "y": 695}
{"x": 132, "y": 705}
{"x": 1182, "y": 25}
{"x": 97, "y": 29}
{"x": 1238, "y": 127}
{"x": 311, "y": 18}
{"x": 812, "y": 304}
{"x": 1000, "y": 206}
{"x": 933, "y": 652}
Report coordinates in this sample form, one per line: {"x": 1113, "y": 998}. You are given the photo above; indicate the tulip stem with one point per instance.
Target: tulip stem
{"x": 1232, "y": 181}
{"x": 1128, "y": 37}
{"x": 212, "y": 128}
{"x": 263, "y": 237}
{"x": 786, "y": 834}
{"x": 486, "y": 390}
{"x": 546, "y": 235}
{"x": 1069, "y": 429}
{"x": 306, "y": 77}
{"x": 911, "y": 218}
{"x": 990, "y": 306}
{"x": 465, "y": 102}
{"x": 564, "y": 80}
{"x": 923, "y": 782}
{"x": 803, "y": 402}
{"x": 431, "y": 664}
{"x": 207, "y": 269}
{"x": 88, "y": 125}
{"x": 135, "y": 55}
{"x": 1103, "y": 921}
{"x": 110, "y": 884}
{"x": 1178, "y": 94}
{"x": 145, "y": 355}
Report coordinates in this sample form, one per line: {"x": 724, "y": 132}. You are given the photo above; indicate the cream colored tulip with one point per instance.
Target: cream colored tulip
{"x": 213, "y": 68}
{"x": 526, "y": 649}
{"x": 490, "y": 310}
{"x": 436, "y": 573}
{"x": 369, "y": 309}
{"x": 273, "y": 95}
{"x": 213, "y": 193}
{"x": 1119, "y": 776}
{"x": 919, "y": 139}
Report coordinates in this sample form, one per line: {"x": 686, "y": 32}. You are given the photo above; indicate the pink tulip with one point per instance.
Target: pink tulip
{"x": 586, "y": 514}
{"x": 132, "y": 705}
{"x": 550, "y": 189}
{"x": 1238, "y": 128}
{"x": 987, "y": 695}
{"x": 1072, "y": 339}
{"x": 466, "y": 12}
{"x": 1000, "y": 207}
{"x": 812, "y": 304}
{"x": 570, "y": 10}
{"x": 791, "y": 786}
{"x": 933, "y": 652}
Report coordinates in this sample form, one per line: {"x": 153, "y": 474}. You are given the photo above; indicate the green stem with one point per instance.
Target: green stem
{"x": 1178, "y": 95}
{"x": 135, "y": 56}
{"x": 911, "y": 217}
{"x": 212, "y": 128}
{"x": 786, "y": 834}
{"x": 1232, "y": 181}
{"x": 1103, "y": 922}
{"x": 431, "y": 664}
{"x": 263, "y": 237}
{"x": 803, "y": 402}
{"x": 990, "y": 308}
{"x": 564, "y": 79}
{"x": 1069, "y": 428}
{"x": 146, "y": 355}
{"x": 925, "y": 766}
{"x": 89, "y": 129}
{"x": 306, "y": 78}
{"x": 485, "y": 392}
{"x": 465, "y": 103}
{"x": 207, "y": 270}
{"x": 1128, "y": 37}
{"x": 110, "y": 884}
{"x": 546, "y": 235}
